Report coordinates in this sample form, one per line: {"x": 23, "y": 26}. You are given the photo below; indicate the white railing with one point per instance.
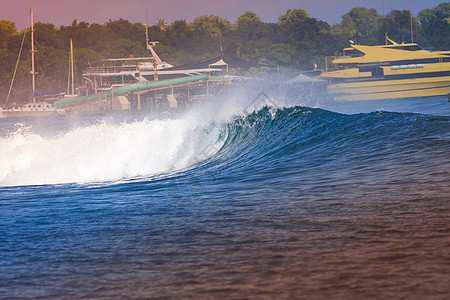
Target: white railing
{"x": 108, "y": 70}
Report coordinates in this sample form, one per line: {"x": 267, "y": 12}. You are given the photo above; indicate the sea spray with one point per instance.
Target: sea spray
{"x": 107, "y": 150}
{"x": 103, "y": 152}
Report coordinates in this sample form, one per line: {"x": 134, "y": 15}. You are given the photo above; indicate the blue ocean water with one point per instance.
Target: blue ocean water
{"x": 263, "y": 194}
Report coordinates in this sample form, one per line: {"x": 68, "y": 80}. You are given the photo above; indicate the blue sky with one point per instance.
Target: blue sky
{"x": 63, "y": 12}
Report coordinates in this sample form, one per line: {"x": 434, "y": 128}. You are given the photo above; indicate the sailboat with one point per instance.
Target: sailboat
{"x": 33, "y": 108}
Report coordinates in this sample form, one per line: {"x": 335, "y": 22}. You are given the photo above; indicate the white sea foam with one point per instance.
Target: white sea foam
{"x": 105, "y": 152}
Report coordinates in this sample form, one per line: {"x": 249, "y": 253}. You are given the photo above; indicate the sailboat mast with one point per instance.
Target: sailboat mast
{"x": 33, "y": 73}
{"x": 68, "y": 77}
{"x": 71, "y": 60}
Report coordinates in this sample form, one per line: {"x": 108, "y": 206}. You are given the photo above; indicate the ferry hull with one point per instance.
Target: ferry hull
{"x": 391, "y": 89}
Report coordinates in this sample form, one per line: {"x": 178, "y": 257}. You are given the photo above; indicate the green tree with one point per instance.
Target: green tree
{"x": 7, "y": 29}
{"x": 46, "y": 35}
{"x": 298, "y": 26}
{"x": 360, "y": 24}
{"x": 397, "y": 25}
{"x": 250, "y": 26}
{"x": 179, "y": 35}
{"x": 293, "y": 17}
{"x": 208, "y": 31}
{"x": 309, "y": 36}
{"x": 121, "y": 27}
{"x": 436, "y": 25}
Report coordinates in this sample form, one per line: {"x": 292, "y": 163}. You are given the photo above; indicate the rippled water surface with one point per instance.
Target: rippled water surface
{"x": 307, "y": 199}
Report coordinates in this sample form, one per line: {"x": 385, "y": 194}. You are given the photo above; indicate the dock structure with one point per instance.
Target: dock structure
{"x": 149, "y": 83}
{"x": 154, "y": 95}
{"x": 144, "y": 85}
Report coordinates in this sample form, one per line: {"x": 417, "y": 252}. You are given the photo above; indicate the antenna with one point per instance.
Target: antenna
{"x": 146, "y": 15}
{"x": 150, "y": 45}
{"x": 146, "y": 36}
{"x": 410, "y": 12}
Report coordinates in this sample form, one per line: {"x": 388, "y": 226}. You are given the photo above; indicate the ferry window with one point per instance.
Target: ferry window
{"x": 346, "y": 66}
{"x": 353, "y": 53}
{"x": 407, "y": 48}
{"x": 413, "y": 48}
{"x": 377, "y": 72}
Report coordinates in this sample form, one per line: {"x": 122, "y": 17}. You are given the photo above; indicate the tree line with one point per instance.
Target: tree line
{"x": 296, "y": 41}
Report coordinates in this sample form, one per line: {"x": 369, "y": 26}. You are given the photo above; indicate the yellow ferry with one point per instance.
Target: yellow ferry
{"x": 388, "y": 72}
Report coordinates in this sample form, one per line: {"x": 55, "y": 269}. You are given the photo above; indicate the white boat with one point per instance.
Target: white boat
{"x": 33, "y": 108}
{"x": 125, "y": 71}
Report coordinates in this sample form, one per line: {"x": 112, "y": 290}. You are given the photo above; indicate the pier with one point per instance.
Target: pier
{"x": 148, "y": 96}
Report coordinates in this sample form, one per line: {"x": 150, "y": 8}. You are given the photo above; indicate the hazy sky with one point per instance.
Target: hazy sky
{"x": 63, "y": 12}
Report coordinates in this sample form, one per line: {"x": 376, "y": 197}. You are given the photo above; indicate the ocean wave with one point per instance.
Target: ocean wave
{"x": 234, "y": 136}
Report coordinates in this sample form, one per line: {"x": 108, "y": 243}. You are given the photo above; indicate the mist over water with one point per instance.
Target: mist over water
{"x": 82, "y": 150}
{"x": 270, "y": 191}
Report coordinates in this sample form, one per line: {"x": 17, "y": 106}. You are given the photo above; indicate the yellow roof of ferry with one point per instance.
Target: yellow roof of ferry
{"x": 382, "y": 53}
